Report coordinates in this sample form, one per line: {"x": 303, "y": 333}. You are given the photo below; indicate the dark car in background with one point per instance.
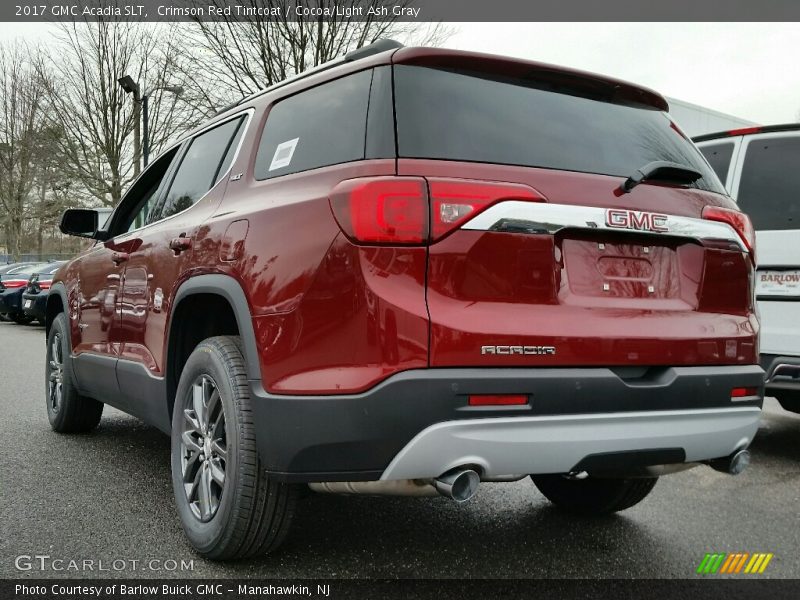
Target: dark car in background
{"x": 34, "y": 298}
{"x": 9, "y": 269}
{"x": 12, "y": 285}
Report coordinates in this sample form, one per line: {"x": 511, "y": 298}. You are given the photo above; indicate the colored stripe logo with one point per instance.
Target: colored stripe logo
{"x": 734, "y": 563}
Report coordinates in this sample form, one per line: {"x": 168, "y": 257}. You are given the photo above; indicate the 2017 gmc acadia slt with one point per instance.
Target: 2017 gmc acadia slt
{"x": 409, "y": 271}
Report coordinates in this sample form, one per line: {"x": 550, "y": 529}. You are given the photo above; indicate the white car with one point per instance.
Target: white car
{"x": 760, "y": 167}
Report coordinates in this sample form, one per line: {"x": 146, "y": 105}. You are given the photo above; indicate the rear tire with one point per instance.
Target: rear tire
{"x": 593, "y": 496}
{"x": 67, "y": 410}
{"x": 228, "y": 505}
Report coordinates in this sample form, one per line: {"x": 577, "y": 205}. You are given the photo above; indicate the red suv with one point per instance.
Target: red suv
{"x": 410, "y": 271}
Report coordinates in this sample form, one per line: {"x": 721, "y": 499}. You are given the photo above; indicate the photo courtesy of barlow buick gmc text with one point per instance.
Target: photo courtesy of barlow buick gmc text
{"x": 399, "y": 299}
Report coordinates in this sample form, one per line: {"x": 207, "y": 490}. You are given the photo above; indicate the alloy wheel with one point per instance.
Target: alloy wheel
{"x": 55, "y": 378}
{"x": 204, "y": 450}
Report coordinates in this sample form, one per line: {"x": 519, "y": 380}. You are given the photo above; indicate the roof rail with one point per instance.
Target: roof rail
{"x": 369, "y": 50}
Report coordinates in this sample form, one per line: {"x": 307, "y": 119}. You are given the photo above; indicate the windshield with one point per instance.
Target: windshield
{"x": 455, "y": 115}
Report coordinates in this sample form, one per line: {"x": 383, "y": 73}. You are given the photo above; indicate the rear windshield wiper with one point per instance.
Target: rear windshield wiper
{"x": 661, "y": 170}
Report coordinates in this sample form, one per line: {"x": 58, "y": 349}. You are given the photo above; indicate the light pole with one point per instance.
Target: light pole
{"x": 174, "y": 89}
{"x": 127, "y": 83}
{"x": 141, "y": 123}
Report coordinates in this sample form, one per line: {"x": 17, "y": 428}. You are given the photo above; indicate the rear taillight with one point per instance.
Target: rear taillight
{"x": 738, "y": 220}
{"x": 401, "y": 211}
{"x": 455, "y": 201}
{"x": 15, "y": 283}
{"x": 44, "y": 285}
{"x": 382, "y": 210}
{"x": 744, "y": 392}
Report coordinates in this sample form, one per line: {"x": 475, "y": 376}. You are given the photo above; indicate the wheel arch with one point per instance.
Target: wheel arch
{"x": 57, "y": 302}
{"x": 215, "y": 290}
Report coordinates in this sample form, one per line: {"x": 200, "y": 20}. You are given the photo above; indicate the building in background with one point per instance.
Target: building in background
{"x": 697, "y": 120}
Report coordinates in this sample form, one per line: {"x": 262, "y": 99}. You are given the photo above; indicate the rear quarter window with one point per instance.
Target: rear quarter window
{"x": 467, "y": 116}
{"x": 322, "y": 126}
{"x": 769, "y": 188}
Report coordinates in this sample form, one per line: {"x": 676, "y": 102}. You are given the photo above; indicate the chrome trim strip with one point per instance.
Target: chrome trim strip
{"x": 541, "y": 217}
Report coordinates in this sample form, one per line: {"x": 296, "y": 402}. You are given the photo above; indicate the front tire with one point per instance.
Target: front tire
{"x": 67, "y": 410}
{"x": 594, "y": 496}
{"x": 228, "y": 505}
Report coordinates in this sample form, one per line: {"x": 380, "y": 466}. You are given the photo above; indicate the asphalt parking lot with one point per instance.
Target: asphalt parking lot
{"x": 107, "y": 497}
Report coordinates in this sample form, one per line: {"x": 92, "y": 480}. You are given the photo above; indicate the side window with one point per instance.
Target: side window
{"x": 136, "y": 208}
{"x": 322, "y": 126}
{"x": 199, "y": 167}
{"x": 141, "y": 217}
{"x": 769, "y": 190}
{"x": 719, "y": 157}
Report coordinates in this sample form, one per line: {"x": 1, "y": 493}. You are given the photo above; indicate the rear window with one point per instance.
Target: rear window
{"x": 769, "y": 190}
{"x": 444, "y": 114}
{"x": 719, "y": 157}
{"x": 49, "y": 269}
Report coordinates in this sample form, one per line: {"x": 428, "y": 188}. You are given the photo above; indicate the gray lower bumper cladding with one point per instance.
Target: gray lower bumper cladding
{"x": 556, "y": 444}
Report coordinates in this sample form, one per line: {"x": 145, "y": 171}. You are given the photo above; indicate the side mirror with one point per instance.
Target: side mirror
{"x": 82, "y": 222}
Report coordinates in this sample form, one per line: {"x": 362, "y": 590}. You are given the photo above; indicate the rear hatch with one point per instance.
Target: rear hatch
{"x": 538, "y": 258}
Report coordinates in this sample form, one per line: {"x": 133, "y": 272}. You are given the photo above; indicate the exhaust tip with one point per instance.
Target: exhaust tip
{"x": 733, "y": 464}
{"x": 458, "y": 484}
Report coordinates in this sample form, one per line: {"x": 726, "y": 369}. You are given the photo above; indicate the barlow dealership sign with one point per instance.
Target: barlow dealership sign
{"x": 405, "y": 10}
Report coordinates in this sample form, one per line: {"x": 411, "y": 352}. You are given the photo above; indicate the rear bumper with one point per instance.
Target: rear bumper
{"x": 418, "y": 423}
{"x": 783, "y": 379}
{"x": 10, "y": 301}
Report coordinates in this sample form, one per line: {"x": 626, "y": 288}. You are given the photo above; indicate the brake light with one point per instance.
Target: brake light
{"x": 743, "y": 392}
{"x": 382, "y": 210}
{"x": 498, "y": 400}
{"x": 397, "y": 210}
{"x": 15, "y": 283}
{"x": 44, "y": 285}
{"x": 738, "y": 220}
{"x": 455, "y": 201}
{"x": 744, "y": 131}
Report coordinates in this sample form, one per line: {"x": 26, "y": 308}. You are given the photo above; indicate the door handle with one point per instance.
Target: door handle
{"x": 120, "y": 257}
{"x": 179, "y": 244}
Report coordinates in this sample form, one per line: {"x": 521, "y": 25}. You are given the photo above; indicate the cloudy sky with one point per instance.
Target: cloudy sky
{"x": 750, "y": 70}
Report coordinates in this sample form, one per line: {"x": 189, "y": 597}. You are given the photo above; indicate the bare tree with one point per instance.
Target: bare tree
{"x": 237, "y": 58}
{"x": 21, "y": 110}
{"x": 94, "y": 115}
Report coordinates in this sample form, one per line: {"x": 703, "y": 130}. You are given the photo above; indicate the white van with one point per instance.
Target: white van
{"x": 760, "y": 166}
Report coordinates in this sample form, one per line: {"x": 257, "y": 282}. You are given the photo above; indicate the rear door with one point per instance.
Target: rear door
{"x": 563, "y": 268}
{"x": 160, "y": 252}
{"x": 767, "y": 187}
